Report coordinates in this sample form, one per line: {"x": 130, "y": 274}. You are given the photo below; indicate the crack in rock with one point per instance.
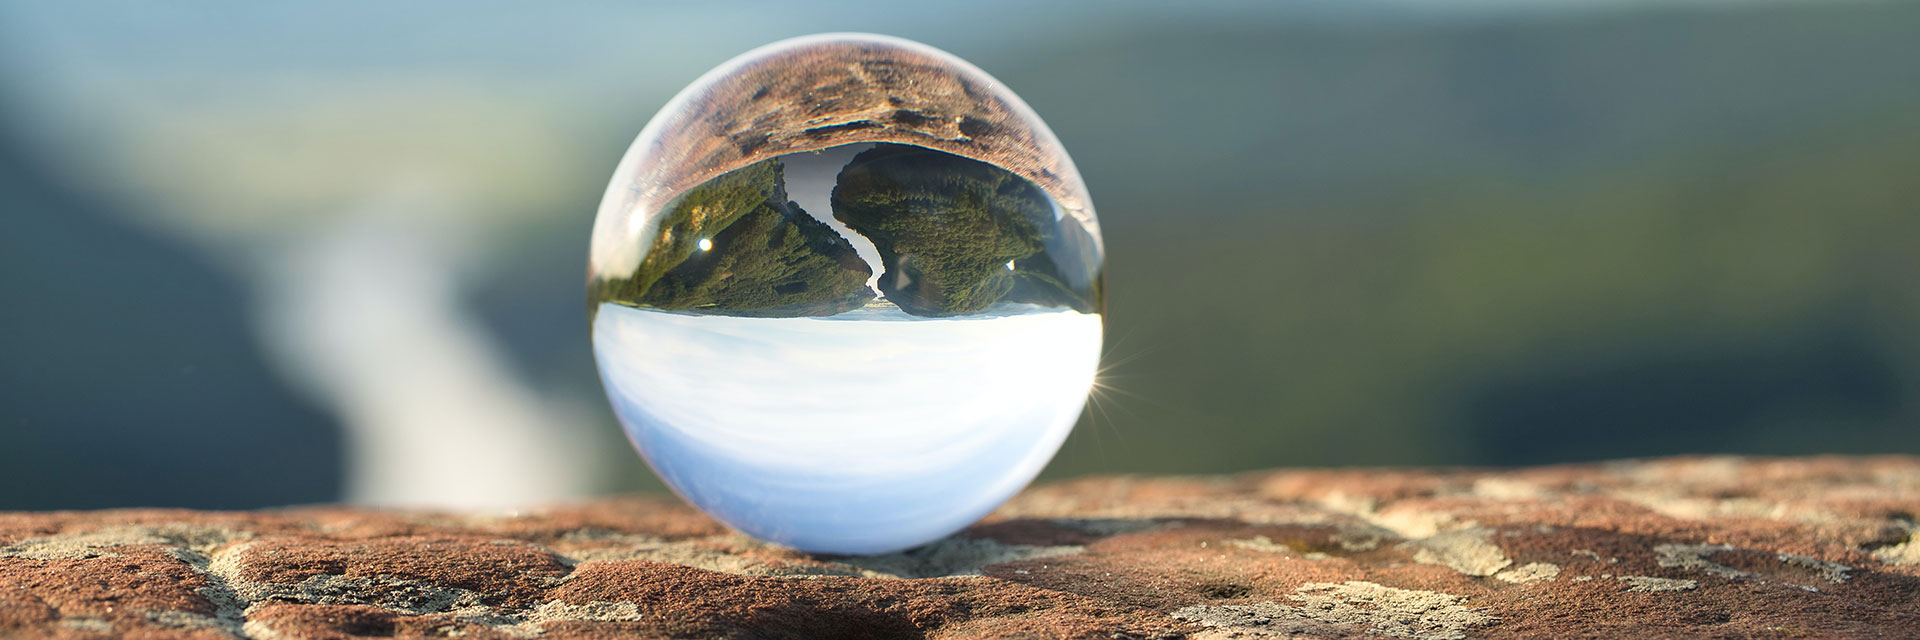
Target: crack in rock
{"x": 229, "y": 608}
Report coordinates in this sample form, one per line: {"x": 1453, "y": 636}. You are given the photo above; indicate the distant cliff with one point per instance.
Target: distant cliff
{"x": 735, "y": 245}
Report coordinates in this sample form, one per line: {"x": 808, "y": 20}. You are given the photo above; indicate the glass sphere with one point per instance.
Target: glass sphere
{"x": 845, "y": 293}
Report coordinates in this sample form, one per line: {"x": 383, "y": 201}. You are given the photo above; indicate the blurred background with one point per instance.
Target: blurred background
{"x": 258, "y": 254}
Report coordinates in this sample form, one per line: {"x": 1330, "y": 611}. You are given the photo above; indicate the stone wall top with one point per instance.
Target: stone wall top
{"x": 1720, "y": 547}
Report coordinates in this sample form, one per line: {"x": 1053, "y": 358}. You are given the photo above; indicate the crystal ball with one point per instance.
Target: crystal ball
{"x": 845, "y": 293}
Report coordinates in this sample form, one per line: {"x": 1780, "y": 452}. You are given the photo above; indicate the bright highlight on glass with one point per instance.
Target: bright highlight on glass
{"x": 846, "y": 293}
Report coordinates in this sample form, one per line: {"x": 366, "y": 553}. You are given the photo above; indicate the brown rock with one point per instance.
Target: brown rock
{"x": 494, "y": 572}
{"x": 863, "y": 89}
{"x": 820, "y": 93}
{"x": 1688, "y": 547}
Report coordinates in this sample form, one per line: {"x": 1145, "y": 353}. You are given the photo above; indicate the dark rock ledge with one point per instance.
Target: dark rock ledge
{"x": 1693, "y": 547}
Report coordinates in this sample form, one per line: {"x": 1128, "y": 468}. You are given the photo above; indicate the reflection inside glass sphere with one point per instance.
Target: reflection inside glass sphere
{"x": 857, "y": 341}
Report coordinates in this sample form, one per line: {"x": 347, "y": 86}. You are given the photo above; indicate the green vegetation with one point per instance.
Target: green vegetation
{"x": 768, "y": 262}
{"x": 765, "y": 256}
{"x": 700, "y": 213}
{"x": 1759, "y": 299}
{"x": 947, "y": 228}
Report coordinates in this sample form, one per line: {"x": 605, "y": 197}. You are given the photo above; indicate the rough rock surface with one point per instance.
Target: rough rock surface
{"x": 815, "y": 94}
{"x": 1695, "y": 547}
{"x": 824, "y": 93}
